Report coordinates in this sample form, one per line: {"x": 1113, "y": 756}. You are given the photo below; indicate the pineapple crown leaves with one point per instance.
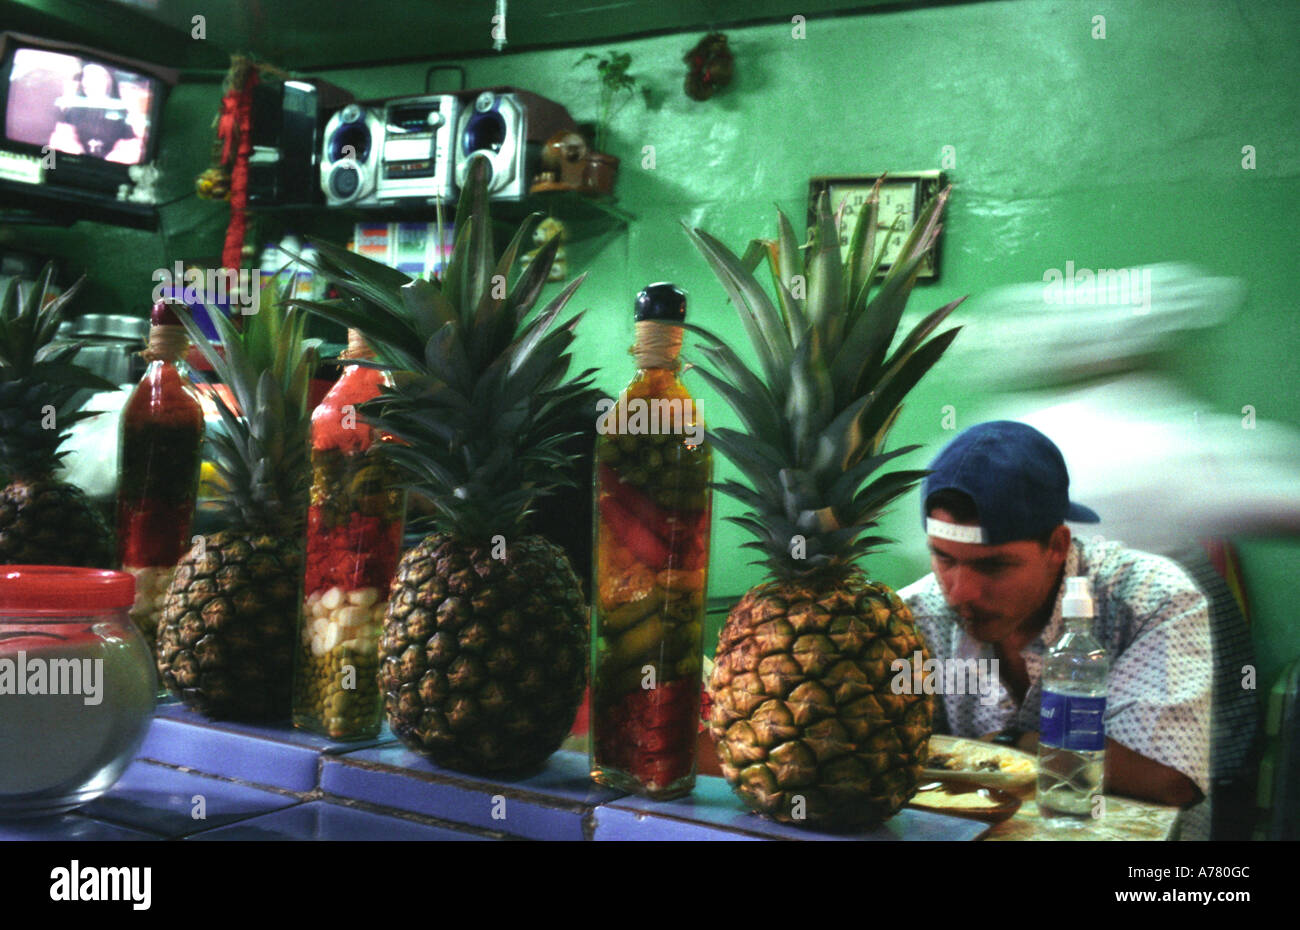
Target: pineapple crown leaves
{"x": 827, "y": 390}
{"x": 261, "y": 453}
{"x": 37, "y": 373}
{"x": 482, "y": 398}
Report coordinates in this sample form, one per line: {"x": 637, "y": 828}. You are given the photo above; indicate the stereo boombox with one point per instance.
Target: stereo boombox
{"x": 420, "y": 148}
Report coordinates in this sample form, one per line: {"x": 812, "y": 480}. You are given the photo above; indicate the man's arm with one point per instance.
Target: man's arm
{"x": 1132, "y": 774}
{"x": 1158, "y": 701}
{"x": 1135, "y": 775}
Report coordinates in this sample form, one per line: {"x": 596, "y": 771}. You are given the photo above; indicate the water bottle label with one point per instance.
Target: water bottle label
{"x": 1074, "y": 722}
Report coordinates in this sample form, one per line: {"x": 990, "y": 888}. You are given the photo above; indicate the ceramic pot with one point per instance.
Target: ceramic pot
{"x": 600, "y": 174}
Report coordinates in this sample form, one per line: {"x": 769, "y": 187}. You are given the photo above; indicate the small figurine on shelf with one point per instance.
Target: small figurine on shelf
{"x": 548, "y": 229}
{"x": 143, "y": 187}
{"x": 563, "y": 163}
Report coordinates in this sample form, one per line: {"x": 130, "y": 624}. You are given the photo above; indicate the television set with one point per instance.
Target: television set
{"x": 74, "y": 120}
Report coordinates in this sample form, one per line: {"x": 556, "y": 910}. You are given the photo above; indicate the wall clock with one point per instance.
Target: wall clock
{"x": 903, "y": 194}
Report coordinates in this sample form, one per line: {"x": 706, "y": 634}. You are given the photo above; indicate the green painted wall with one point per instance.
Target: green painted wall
{"x": 1109, "y": 152}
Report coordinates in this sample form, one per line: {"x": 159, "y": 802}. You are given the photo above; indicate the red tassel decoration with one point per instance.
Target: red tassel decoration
{"x": 234, "y": 129}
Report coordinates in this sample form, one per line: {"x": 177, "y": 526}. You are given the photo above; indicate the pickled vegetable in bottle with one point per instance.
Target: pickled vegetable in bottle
{"x": 161, "y": 438}
{"x": 354, "y": 538}
{"x": 653, "y": 506}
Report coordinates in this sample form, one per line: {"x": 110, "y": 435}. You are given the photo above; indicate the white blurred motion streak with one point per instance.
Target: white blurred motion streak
{"x": 1152, "y": 461}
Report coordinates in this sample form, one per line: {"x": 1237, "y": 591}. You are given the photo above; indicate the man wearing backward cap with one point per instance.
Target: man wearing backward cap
{"x": 994, "y": 509}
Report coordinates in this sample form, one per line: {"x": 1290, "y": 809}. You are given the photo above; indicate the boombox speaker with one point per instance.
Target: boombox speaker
{"x": 351, "y": 155}
{"x": 508, "y": 127}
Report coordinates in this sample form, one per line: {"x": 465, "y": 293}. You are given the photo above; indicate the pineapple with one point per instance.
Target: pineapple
{"x": 807, "y": 727}
{"x": 226, "y": 638}
{"x": 483, "y": 653}
{"x": 43, "y": 521}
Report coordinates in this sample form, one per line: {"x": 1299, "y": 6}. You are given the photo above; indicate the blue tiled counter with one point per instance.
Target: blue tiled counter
{"x": 196, "y": 779}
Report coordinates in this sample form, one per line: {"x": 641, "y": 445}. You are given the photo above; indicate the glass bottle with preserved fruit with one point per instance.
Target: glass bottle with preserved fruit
{"x": 161, "y": 439}
{"x": 354, "y": 538}
{"x": 653, "y": 505}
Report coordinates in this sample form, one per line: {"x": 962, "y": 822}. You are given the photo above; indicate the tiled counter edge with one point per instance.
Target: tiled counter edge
{"x": 196, "y": 778}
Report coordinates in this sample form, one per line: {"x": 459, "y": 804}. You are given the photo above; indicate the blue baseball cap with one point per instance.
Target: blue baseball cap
{"x": 1015, "y": 475}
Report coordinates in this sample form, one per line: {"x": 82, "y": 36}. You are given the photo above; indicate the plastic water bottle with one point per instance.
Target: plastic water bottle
{"x": 1072, "y": 731}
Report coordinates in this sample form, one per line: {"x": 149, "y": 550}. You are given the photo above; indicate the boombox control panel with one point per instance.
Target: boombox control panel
{"x": 418, "y": 146}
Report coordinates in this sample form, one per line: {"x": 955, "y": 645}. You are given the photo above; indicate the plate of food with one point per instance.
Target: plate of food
{"x": 960, "y": 800}
{"x": 972, "y": 762}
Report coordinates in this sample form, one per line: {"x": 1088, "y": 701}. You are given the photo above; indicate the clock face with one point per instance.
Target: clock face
{"x": 897, "y": 204}
{"x": 900, "y": 201}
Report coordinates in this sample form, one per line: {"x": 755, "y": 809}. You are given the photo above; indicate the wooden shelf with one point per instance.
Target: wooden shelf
{"x": 586, "y": 217}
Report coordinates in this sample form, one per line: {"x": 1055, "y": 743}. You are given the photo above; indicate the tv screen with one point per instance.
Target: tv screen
{"x": 79, "y": 105}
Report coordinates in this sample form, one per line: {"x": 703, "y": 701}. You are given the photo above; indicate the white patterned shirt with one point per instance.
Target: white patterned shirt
{"x": 1154, "y": 625}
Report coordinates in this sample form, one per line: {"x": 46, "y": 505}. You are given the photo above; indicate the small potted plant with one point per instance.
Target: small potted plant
{"x": 617, "y": 87}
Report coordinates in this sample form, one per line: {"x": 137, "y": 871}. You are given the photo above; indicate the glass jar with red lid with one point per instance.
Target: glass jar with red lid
{"x": 354, "y": 538}
{"x": 77, "y": 686}
{"x": 161, "y": 454}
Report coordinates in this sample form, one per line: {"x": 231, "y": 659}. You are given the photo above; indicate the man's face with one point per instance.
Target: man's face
{"x": 997, "y": 589}
{"x": 96, "y": 81}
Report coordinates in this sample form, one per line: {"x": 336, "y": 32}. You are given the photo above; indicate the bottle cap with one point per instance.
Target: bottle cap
{"x": 163, "y": 314}
{"x": 1077, "y": 602}
{"x": 661, "y": 301}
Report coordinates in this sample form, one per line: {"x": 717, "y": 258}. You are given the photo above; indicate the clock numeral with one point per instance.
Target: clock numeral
{"x": 899, "y": 203}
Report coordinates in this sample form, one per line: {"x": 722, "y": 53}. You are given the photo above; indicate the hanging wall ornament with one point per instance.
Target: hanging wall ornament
{"x": 710, "y": 66}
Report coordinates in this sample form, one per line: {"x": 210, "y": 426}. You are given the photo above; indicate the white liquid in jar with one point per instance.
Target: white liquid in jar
{"x": 57, "y": 750}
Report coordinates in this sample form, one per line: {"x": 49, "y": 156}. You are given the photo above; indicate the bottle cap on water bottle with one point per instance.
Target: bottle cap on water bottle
{"x": 1077, "y": 602}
